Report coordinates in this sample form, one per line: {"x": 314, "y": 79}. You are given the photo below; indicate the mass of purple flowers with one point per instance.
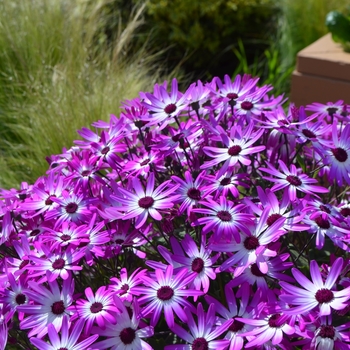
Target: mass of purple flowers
{"x": 209, "y": 219}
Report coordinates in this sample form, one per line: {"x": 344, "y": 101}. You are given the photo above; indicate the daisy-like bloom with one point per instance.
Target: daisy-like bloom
{"x": 43, "y": 191}
{"x": 165, "y": 106}
{"x": 166, "y": 292}
{"x": 144, "y": 202}
{"x": 97, "y": 308}
{"x": 124, "y": 286}
{"x": 59, "y": 264}
{"x": 233, "y": 312}
{"x": 68, "y": 340}
{"x": 269, "y": 327}
{"x": 189, "y": 191}
{"x": 197, "y": 261}
{"x": 236, "y": 148}
{"x": 327, "y": 110}
{"x": 338, "y": 158}
{"x": 72, "y": 207}
{"x": 292, "y": 181}
{"x": 204, "y": 335}
{"x": 14, "y": 295}
{"x": 224, "y": 218}
{"x": 252, "y": 247}
{"x": 124, "y": 334}
{"x": 46, "y": 306}
{"x": 316, "y": 294}
{"x": 225, "y": 184}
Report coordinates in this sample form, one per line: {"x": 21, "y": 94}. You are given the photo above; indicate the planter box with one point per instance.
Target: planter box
{"x": 322, "y": 74}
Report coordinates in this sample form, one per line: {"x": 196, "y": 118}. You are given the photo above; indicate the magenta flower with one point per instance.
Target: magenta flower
{"x": 197, "y": 261}
{"x": 236, "y": 148}
{"x": 292, "y": 181}
{"x": 68, "y": 340}
{"x": 316, "y": 294}
{"x": 97, "y": 308}
{"x": 204, "y": 335}
{"x": 224, "y": 219}
{"x": 167, "y": 293}
{"x": 124, "y": 334}
{"x": 164, "y": 106}
{"x": 143, "y": 202}
{"x": 189, "y": 191}
{"x": 46, "y": 306}
{"x": 338, "y": 158}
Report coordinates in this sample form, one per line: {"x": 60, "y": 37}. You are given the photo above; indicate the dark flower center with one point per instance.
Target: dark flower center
{"x": 57, "y": 307}
{"x": 171, "y": 108}
{"x": 146, "y": 202}
{"x": 20, "y": 299}
{"x": 255, "y": 271}
{"x": 236, "y": 326}
{"x": 177, "y": 137}
{"x": 225, "y": 181}
{"x": 322, "y": 223}
{"x": 251, "y": 243}
{"x": 62, "y": 349}
{"x": 193, "y": 193}
{"x": 124, "y": 289}
{"x": 224, "y": 215}
{"x": 145, "y": 162}
{"x": 200, "y": 344}
{"x": 65, "y": 237}
{"x": 340, "y": 154}
{"x": 327, "y": 332}
{"x": 119, "y": 241}
{"x": 309, "y": 134}
{"x": 325, "y": 209}
{"x": 273, "y": 321}
{"x": 273, "y": 218}
{"x": 293, "y": 180}
{"x": 345, "y": 211}
{"x": 35, "y": 232}
{"x": 331, "y": 111}
{"x": 105, "y": 150}
{"x": 49, "y": 201}
{"x": 324, "y": 295}
{"x": 234, "y": 150}
{"x": 71, "y": 208}
{"x": 165, "y": 293}
{"x": 197, "y": 265}
{"x": 231, "y": 95}
{"x": 58, "y": 264}
{"x": 23, "y": 264}
{"x": 127, "y": 335}
{"x": 96, "y": 307}
{"x": 86, "y": 173}
{"x": 247, "y": 105}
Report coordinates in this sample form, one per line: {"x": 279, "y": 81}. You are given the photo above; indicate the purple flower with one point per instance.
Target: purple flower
{"x": 124, "y": 334}
{"x": 204, "y": 335}
{"x": 224, "y": 219}
{"x": 338, "y": 158}
{"x": 97, "y": 308}
{"x": 236, "y": 148}
{"x": 143, "y": 202}
{"x": 166, "y": 292}
{"x": 67, "y": 341}
{"x": 292, "y": 181}
{"x": 316, "y": 294}
{"x": 46, "y": 306}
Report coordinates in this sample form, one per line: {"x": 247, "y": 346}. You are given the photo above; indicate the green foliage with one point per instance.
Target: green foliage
{"x": 202, "y": 33}
{"x": 339, "y": 26}
{"x": 55, "y": 79}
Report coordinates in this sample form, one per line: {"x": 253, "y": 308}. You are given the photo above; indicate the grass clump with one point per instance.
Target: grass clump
{"x": 58, "y": 74}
